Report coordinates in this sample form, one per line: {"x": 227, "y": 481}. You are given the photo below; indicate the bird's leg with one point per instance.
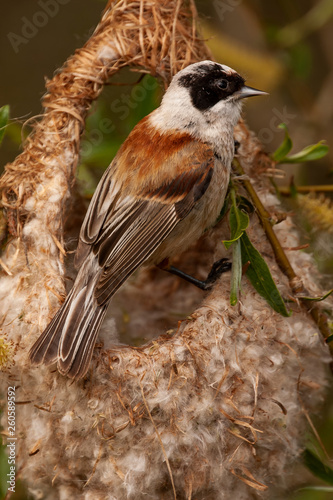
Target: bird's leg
{"x": 219, "y": 267}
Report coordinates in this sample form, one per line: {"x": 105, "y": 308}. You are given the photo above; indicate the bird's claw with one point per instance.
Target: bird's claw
{"x": 218, "y": 268}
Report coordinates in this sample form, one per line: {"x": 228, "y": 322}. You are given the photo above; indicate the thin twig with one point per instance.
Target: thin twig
{"x": 285, "y": 190}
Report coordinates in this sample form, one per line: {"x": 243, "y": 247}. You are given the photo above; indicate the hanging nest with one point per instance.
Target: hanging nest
{"x": 214, "y": 410}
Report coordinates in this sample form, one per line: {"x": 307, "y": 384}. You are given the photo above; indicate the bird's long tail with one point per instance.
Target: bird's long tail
{"x": 70, "y": 337}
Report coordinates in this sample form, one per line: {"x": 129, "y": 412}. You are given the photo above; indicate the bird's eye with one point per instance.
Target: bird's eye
{"x": 222, "y": 84}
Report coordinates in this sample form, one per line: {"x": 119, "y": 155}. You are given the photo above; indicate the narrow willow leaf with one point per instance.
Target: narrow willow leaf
{"x": 293, "y": 189}
{"x": 236, "y": 272}
{"x": 238, "y": 221}
{"x": 317, "y": 467}
{"x": 310, "y": 153}
{"x": 260, "y": 276}
{"x": 327, "y": 489}
{"x": 285, "y": 147}
{"x": 4, "y": 117}
{"x": 318, "y": 299}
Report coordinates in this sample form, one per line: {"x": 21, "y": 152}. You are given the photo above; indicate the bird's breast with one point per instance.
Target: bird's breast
{"x": 203, "y": 215}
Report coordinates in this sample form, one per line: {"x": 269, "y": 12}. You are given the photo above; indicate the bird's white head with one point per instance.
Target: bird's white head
{"x": 205, "y": 100}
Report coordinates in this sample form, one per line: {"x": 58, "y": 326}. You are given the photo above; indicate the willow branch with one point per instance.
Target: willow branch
{"x": 295, "y": 282}
{"x": 282, "y": 260}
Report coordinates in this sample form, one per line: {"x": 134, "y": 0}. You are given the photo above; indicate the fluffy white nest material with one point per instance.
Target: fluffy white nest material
{"x": 215, "y": 411}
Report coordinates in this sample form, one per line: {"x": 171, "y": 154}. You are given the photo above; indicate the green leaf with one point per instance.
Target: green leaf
{"x": 317, "y": 299}
{"x": 16, "y": 133}
{"x": 236, "y": 272}
{"x": 285, "y": 147}
{"x": 317, "y": 467}
{"x": 310, "y": 153}
{"x": 245, "y": 204}
{"x": 260, "y": 276}
{"x": 238, "y": 221}
{"x": 4, "y": 117}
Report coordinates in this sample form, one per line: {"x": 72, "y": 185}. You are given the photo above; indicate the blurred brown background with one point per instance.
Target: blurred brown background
{"x": 283, "y": 47}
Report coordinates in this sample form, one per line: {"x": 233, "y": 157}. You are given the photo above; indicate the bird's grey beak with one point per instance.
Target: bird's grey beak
{"x": 248, "y": 92}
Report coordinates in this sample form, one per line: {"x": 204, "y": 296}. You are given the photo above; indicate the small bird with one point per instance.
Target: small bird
{"x": 165, "y": 186}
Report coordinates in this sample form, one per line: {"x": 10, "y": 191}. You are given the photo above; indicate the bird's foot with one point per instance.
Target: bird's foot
{"x": 218, "y": 268}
